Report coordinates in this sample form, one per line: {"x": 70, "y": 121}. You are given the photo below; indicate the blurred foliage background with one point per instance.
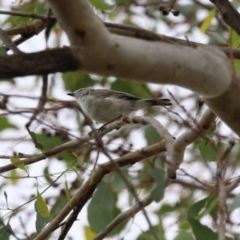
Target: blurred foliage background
{"x": 32, "y": 195}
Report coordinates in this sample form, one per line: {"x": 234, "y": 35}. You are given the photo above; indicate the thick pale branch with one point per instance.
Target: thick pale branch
{"x": 103, "y": 53}
{"x": 187, "y": 138}
{"x": 227, "y": 107}
{"x": 163, "y": 132}
{"x": 205, "y": 70}
{"x": 91, "y": 183}
{"x": 195, "y": 68}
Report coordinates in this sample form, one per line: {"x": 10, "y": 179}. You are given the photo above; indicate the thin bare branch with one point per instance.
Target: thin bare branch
{"x": 8, "y": 42}
{"x": 23, "y": 14}
{"x": 229, "y": 14}
{"x": 129, "y": 185}
{"x": 124, "y": 216}
{"x": 142, "y": 153}
{"x": 42, "y": 100}
{"x": 88, "y": 187}
{"x": 26, "y": 31}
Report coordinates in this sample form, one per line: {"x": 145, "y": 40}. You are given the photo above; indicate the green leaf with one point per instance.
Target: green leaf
{"x": 236, "y": 65}
{"x": 201, "y": 231}
{"x": 34, "y": 138}
{"x": 212, "y": 129}
{"x": 3, "y": 51}
{"x": 60, "y": 202}
{"x": 158, "y": 192}
{"x": 101, "y": 208}
{"x": 69, "y": 158}
{"x": 135, "y": 88}
{"x": 67, "y": 192}
{"x": 151, "y": 135}
{"x": 207, "y": 150}
{"x": 4, "y": 124}
{"x": 212, "y": 205}
{"x": 146, "y": 236}
{"x": 89, "y": 234}
{"x": 189, "y": 10}
{"x": 121, "y": 226}
{"x": 123, "y": 2}
{"x": 184, "y": 225}
{"x": 18, "y": 163}
{"x": 5, "y": 232}
{"x": 14, "y": 176}
{"x": 47, "y": 175}
{"x": 117, "y": 183}
{"x": 235, "y": 41}
{"x": 184, "y": 236}
{"x": 41, "y": 221}
{"x": 42, "y": 206}
{"x": 149, "y": 236}
{"x": 166, "y": 208}
{"x": 236, "y": 203}
{"x": 40, "y": 7}
{"x": 6, "y": 197}
{"x": 76, "y": 80}
{"x": 207, "y": 22}
{"x": 101, "y": 4}
{"x": 48, "y": 142}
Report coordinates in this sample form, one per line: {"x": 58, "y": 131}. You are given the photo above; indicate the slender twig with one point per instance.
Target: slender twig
{"x": 130, "y": 187}
{"x": 120, "y": 29}
{"x": 50, "y": 23}
{"x": 172, "y": 3}
{"x": 222, "y": 211}
{"x": 96, "y": 177}
{"x": 124, "y": 216}
{"x": 137, "y": 32}
{"x": 132, "y": 190}
{"x": 24, "y": 14}
{"x": 128, "y": 184}
{"x": 18, "y": 155}
{"x": 50, "y": 185}
{"x": 143, "y": 153}
{"x": 8, "y": 42}
{"x": 89, "y": 186}
{"x": 26, "y": 31}
{"x": 42, "y": 100}
{"x": 232, "y": 186}
{"x": 8, "y": 229}
{"x": 208, "y": 186}
{"x": 229, "y": 14}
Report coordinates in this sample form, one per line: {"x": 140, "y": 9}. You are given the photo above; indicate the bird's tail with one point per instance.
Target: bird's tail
{"x": 159, "y": 102}
{"x": 144, "y": 103}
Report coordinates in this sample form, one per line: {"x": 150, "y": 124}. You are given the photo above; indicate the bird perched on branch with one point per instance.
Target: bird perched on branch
{"x": 104, "y": 106}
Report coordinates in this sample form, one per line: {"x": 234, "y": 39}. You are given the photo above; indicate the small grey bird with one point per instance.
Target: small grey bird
{"x": 103, "y": 105}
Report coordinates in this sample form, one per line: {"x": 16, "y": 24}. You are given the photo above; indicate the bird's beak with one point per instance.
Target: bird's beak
{"x": 70, "y": 94}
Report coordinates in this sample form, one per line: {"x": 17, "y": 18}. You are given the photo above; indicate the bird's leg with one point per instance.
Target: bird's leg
{"x": 104, "y": 125}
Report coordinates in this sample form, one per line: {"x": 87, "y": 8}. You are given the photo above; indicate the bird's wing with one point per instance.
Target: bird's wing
{"x": 121, "y": 95}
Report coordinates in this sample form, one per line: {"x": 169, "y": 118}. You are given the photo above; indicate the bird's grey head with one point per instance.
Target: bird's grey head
{"x": 79, "y": 93}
